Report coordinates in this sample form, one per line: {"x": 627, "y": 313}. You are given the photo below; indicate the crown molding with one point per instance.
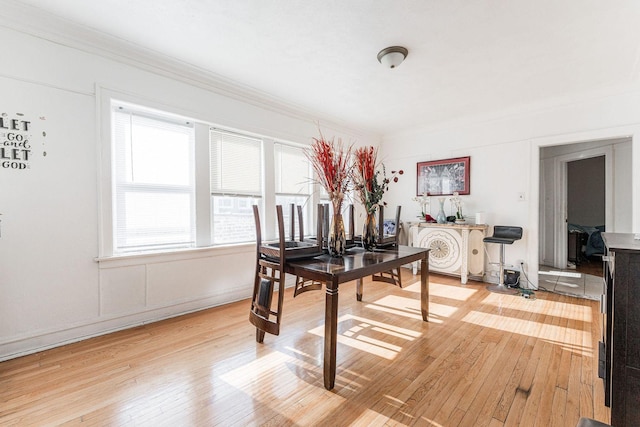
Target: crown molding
{"x": 41, "y": 24}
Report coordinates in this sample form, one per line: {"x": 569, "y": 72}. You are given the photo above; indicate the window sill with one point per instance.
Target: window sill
{"x": 139, "y": 258}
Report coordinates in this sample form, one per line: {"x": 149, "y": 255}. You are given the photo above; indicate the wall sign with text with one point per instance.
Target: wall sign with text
{"x": 17, "y": 141}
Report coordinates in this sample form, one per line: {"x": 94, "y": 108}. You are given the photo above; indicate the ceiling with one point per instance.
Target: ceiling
{"x": 466, "y": 58}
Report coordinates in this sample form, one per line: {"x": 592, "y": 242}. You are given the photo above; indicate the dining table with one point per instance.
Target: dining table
{"x": 355, "y": 264}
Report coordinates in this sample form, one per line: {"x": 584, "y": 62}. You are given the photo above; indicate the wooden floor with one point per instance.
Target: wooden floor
{"x": 483, "y": 359}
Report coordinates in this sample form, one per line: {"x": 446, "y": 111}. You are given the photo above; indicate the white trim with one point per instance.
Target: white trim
{"x": 127, "y": 260}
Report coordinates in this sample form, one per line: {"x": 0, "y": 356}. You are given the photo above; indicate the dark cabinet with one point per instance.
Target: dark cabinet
{"x": 622, "y": 328}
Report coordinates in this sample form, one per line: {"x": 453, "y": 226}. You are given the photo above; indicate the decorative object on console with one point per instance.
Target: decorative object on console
{"x": 331, "y": 162}
{"x": 365, "y": 179}
{"x": 441, "y": 218}
{"x": 443, "y": 177}
{"x": 425, "y": 204}
{"x": 429, "y": 218}
{"x": 456, "y": 201}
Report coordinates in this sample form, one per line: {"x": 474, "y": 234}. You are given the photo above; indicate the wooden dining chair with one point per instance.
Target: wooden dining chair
{"x": 388, "y": 241}
{"x": 269, "y": 276}
{"x": 304, "y": 285}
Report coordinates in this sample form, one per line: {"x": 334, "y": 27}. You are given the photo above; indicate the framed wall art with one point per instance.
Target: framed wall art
{"x": 443, "y": 177}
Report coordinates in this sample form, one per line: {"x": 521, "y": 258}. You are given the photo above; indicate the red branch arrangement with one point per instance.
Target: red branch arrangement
{"x": 330, "y": 160}
{"x": 365, "y": 178}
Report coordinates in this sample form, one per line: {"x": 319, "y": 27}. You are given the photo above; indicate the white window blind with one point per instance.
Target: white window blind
{"x": 236, "y": 185}
{"x": 154, "y": 190}
{"x": 293, "y": 184}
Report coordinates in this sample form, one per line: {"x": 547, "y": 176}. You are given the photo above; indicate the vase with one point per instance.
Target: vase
{"x": 337, "y": 242}
{"x": 441, "y": 218}
{"x": 370, "y": 232}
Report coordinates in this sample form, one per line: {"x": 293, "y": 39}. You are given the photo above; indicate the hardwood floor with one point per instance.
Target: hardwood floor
{"x": 483, "y": 359}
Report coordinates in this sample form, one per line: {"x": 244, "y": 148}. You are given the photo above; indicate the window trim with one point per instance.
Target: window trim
{"x": 104, "y": 99}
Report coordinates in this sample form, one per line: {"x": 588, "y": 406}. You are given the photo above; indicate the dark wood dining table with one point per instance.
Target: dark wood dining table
{"x": 355, "y": 265}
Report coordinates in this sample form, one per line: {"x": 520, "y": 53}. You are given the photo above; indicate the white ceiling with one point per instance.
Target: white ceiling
{"x": 466, "y": 57}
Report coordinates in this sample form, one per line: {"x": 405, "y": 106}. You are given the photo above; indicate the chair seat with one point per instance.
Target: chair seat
{"x": 503, "y": 240}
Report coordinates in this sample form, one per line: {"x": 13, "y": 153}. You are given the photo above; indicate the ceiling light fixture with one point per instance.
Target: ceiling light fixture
{"x": 392, "y": 56}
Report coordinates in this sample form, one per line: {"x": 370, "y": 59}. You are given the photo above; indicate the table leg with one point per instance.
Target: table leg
{"x": 359, "y": 289}
{"x": 330, "y": 334}
{"x": 424, "y": 288}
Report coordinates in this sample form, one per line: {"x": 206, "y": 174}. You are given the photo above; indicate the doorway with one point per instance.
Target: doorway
{"x": 586, "y": 214}
{"x": 576, "y": 196}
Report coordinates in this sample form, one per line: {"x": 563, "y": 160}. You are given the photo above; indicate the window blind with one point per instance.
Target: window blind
{"x": 236, "y": 185}
{"x": 236, "y": 164}
{"x": 154, "y": 190}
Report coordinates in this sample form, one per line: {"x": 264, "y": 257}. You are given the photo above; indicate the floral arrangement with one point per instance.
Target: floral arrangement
{"x": 425, "y": 203}
{"x": 371, "y": 182}
{"x": 456, "y": 201}
{"x": 330, "y": 160}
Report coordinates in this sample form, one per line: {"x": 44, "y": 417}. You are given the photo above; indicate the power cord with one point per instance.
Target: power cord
{"x": 532, "y": 288}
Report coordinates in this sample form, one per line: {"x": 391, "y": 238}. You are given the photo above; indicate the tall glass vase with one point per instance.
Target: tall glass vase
{"x": 441, "y": 218}
{"x": 337, "y": 242}
{"x": 370, "y": 232}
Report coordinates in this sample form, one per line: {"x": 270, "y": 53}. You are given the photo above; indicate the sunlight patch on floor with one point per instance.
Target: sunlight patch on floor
{"x": 560, "y": 273}
{"x": 445, "y": 291}
{"x": 530, "y": 328}
{"x": 259, "y": 370}
{"x": 565, "y": 310}
{"x": 569, "y": 285}
{"x": 357, "y": 335}
{"x": 402, "y": 306}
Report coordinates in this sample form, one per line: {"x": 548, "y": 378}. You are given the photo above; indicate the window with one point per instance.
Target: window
{"x": 154, "y": 182}
{"x": 293, "y": 184}
{"x": 236, "y": 185}
{"x": 173, "y": 183}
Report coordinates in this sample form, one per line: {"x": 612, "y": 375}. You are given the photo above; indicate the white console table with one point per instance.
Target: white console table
{"x": 456, "y": 249}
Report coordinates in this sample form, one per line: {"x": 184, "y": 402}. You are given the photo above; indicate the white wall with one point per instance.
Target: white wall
{"x": 505, "y": 160}
{"x": 53, "y": 289}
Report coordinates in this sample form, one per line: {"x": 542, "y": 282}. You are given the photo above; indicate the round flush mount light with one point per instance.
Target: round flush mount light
{"x": 392, "y": 56}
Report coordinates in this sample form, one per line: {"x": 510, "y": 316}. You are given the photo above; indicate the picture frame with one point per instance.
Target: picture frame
{"x": 443, "y": 177}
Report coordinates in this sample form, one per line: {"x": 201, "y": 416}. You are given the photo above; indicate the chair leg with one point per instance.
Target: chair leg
{"x": 501, "y": 287}
{"x": 391, "y": 276}
{"x": 304, "y": 285}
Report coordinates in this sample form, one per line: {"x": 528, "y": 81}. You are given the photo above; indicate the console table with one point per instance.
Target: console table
{"x": 455, "y": 249}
